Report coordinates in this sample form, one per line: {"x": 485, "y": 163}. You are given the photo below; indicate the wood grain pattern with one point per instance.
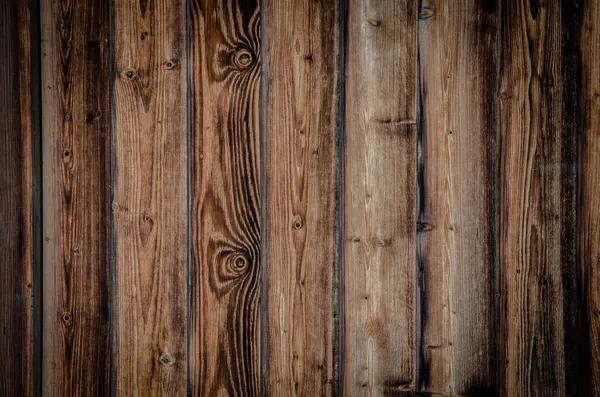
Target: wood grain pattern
{"x": 301, "y": 163}
{"x": 75, "y": 175}
{"x": 537, "y": 215}
{"x": 149, "y": 207}
{"x": 458, "y": 76}
{"x": 590, "y": 194}
{"x": 380, "y": 198}
{"x": 224, "y": 70}
{"x": 16, "y": 201}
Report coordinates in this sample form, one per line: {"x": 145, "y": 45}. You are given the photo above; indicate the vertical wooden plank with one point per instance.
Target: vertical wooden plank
{"x": 537, "y": 215}
{"x": 301, "y": 170}
{"x": 590, "y": 184}
{"x": 380, "y": 197}
{"x": 75, "y": 175}
{"x": 16, "y": 201}
{"x": 150, "y": 197}
{"x": 458, "y": 90}
{"x": 224, "y": 70}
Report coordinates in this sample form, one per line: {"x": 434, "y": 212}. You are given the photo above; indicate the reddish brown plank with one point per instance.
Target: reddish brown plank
{"x": 224, "y": 70}
{"x": 150, "y": 197}
{"x": 301, "y": 108}
{"x": 457, "y": 47}
{"x": 16, "y": 201}
{"x": 76, "y": 197}
{"x": 537, "y": 198}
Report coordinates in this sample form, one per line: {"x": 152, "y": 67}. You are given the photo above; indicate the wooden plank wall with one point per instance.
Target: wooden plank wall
{"x": 299, "y": 198}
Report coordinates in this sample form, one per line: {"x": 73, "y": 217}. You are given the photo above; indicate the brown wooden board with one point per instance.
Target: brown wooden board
{"x": 17, "y": 195}
{"x": 224, "y": 275}
{"x": 301, "y": 137}
{"x": 149, "y": 205}
{"x": 457, "y": 47}
{"x": 380, "y": 198}
{"x": 75, "y": 82}
{"x": 537, "y": 235}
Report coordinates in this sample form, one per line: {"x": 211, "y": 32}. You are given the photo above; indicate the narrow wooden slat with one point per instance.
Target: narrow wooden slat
{"x": 590, "y": 195}
{"x": 301, "y": 170}
{"x": 537, "y": 199}
{"x": 458, "y": 90}
{"x": 380, "y": 198}
{"x": 75, "y": 157}
{"x": 150, "y": 197}
{"x": 16, "y": 218}
{"x": 224, "y": 70}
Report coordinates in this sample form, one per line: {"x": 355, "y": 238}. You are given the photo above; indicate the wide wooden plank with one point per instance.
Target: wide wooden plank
{"x": 380, "y": 198}
{"x": 150, "y": 197}
{"x": 301, "y": 261}
{"x": 590, "y": 193}
{"x": 16, "y": 201}
{"x": 76, "y": 197}
{"x": 537, "y": 198}
{"x": 224, "y": 70}
{"x": 457, "y": 47}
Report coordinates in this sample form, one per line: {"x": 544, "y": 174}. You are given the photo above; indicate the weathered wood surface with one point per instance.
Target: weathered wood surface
{"x": 301, "y": 136}
{"x": 75, "y": 198}
{"x": 149, "y": 204}
{"x": 590, "y": 192}
{"x": 224, "y": 71}
{"x": 380, "y": 198}
{"x": 244, "y": 197}
{"x": 456, "y": 226}
{"x": 537, "y": 199}
{"x": 16, "y": 202}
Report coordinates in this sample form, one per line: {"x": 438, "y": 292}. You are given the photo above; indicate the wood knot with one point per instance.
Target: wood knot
{"x": 68, "y": 118}
{"x": 308, "y": 58}
{"x": 242, "y": 58}
{"x": 67, "y": 319}
{"x": 128, "y": 74}
{"x": 171, "y": 64}
{"x": 66, "y": 153}
{"x": 381, "y": 242}
{"x": 165, "y": 360}
{"x": 114, "y": 206}
{"x": 144, "y": 36}
{"x": 425, "y": 13}
{"x": 424, "y": 227}
{"x": 297, "y": 222}
{"x": 374, "y": 22}
{"x": 92, "y": 116}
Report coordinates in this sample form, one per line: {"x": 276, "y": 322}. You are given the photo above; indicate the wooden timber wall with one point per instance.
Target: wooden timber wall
{"x": 300, "y": 198}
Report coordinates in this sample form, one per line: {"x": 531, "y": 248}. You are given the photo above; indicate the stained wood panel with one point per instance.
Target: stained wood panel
{"x": 380, "y": 198}
{"x": 301, "y": 268}
{"x": 76, "y": 198}
{"x": 590, "y": 194}
{"x": 149, "y": 206}
{"x": 456, "y": 229}
{"x": 537, "y": 197}
{"x": 17, "y": 168}
{"x": 224, "y": 70}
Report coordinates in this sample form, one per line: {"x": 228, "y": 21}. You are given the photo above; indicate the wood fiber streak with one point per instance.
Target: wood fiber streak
{"x": 301, "y": 151}
{"x": 15, "y": 201}
{"x": 224, "y": 72}
{"x": 537, "y": 216}
{"x": 150, "y": 197}
{"x": 590, "y": 180}
{"x": 380, "y": 198}
{"x": 76, "y": 196}
{"x": 458, "y": 80}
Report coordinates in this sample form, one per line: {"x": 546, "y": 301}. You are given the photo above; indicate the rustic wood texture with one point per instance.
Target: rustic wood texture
{"x": 16, "y": 201}
{"x": 380, "y": 198}
{"x": 149, "y": 206}
{"x": 458, "y": 119}
{"x": 76, "y": 198}
{"x": 300, "y": 142}
{"x": 590, "y": 194}
{"x": 537, "y": 215}
{"x": 224, "y": 70}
